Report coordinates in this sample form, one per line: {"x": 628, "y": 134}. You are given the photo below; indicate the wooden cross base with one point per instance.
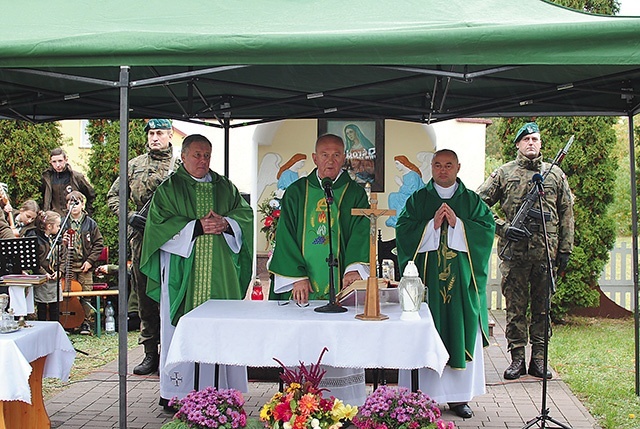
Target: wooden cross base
{"x": 372, "y": 302}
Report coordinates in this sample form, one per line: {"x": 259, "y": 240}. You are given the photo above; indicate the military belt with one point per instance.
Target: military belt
{"x": 534, "y": 227}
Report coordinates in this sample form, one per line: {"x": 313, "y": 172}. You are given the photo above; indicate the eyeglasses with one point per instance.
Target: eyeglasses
{"x": 283, "y": 303}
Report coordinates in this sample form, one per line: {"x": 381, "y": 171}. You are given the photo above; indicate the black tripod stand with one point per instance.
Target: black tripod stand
{"x": 542, "y": 418}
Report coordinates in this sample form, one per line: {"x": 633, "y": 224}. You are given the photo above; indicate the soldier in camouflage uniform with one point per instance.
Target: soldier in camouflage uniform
{"x": 145, "y": 173}
{"x": 524, "y": 263}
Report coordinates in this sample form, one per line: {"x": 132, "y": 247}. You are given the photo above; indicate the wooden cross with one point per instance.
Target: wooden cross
{"x": 372, "y": 300}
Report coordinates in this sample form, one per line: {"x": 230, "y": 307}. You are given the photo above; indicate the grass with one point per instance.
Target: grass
{"x": 100, "y": 352}
{"x": 595, "y": 357}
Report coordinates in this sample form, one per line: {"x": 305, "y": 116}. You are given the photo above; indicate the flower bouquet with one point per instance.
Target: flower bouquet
{"x": 301, "y": 405}
{"x": 388, "y": 408}
{"x": 211, "y": 408}
{"x": 270, "y": 211}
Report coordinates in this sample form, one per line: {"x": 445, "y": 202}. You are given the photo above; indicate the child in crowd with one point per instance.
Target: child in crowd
{"x": 24, "y": 218}
{"x": 83, "y": 238}
{"x": 46, "y": 297}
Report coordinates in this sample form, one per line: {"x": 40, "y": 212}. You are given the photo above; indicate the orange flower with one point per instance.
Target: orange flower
{"x": 308, "y": 404}
{"x": 300, "y": 422}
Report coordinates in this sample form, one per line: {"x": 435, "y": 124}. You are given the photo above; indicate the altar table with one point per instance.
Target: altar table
{"x": 252, "y": 333}
{"x": 26, "y": 356}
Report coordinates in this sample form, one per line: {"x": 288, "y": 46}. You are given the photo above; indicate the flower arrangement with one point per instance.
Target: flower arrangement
{"x": 388, "y": 408}
{"x": 270, "y": 211}
{"x": 301, "y": 405}
{"x": 210, "y": 408}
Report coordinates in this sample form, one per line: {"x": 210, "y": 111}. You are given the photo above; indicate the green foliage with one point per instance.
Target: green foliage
{"x": 591, "y": 169}
{"x": 25, "y": 150}
{"x": 104, "y": 168}
{"x": 595, "y": 357}
{"x": 602, "y": 7}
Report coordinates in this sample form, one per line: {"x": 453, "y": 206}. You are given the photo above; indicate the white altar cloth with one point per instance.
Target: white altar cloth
{"x": 252, "y": 333}
{"x": 19, "y": 348}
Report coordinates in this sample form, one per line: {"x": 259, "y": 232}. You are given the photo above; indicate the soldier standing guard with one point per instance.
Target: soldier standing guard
{"x": 144, "y": 173}
{"x": 524, "y": 269}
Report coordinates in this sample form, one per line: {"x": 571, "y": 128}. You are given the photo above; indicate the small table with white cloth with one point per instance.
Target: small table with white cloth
{"x": 27, "y": 355}
{"x": 252, "y": 333}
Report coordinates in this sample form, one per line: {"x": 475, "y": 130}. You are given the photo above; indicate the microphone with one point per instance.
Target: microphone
{"x": 327, "y": 185}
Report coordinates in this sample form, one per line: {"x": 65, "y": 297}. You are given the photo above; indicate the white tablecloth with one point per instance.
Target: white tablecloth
{"x": 19, "y": 348}
{"x": 252, "y": 333}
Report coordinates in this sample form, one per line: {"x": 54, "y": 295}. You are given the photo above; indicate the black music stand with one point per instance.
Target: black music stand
{"x": 18, "y": 255}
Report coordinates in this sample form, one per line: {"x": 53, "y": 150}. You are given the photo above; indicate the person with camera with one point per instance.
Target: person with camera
{"x": 144, "y": 173}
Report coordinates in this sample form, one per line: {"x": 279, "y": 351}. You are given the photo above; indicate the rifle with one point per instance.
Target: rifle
{"x": 526, "y": 210}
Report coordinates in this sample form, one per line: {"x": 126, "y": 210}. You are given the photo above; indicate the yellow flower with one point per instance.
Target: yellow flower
{"x": 293, "y": 386}
{"x": 341, "y": 411}
{"x": 265, "y": 412}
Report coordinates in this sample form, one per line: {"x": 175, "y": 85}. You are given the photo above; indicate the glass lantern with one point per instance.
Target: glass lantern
{"x": 411, "y": 291}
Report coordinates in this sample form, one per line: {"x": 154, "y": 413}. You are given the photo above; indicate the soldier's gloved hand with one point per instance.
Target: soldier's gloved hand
{"x": 562, "y": 260}
{"x": 514, "y": 234}
{"x": 137, "y": 221}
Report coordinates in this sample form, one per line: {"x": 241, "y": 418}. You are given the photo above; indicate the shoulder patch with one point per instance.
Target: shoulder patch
{"x": 495, "y": 173}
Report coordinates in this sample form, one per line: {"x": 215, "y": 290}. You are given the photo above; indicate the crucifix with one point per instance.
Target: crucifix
{"x": 372, "y": 297}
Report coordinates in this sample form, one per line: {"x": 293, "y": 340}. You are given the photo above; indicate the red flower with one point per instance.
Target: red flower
{"x": 282, "y": 412}
{"x": 268, "y": 221}
{"x": 276, "y": 213}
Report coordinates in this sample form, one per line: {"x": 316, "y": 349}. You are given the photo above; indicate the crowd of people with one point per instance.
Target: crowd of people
{"x": 198, "y": 218}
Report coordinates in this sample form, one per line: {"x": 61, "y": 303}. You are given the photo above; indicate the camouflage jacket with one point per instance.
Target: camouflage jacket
{"x": 509, "y": 184}
{"x": 144, "y": 173}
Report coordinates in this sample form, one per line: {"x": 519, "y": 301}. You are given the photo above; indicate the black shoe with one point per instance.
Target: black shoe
{"x": 165, "y": 406}
{"x": 85, "y": 329}
{"x": 462, "y": 410}
{"x": 149, "y": 364}
{"x": 536, "y": 369}
{"x": 515, "y": 370}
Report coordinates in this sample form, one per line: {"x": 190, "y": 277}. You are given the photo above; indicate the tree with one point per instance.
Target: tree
{"x": 104, "y": 168}
{"x": 591, "y": 168}
{"x": 25, "y": 150}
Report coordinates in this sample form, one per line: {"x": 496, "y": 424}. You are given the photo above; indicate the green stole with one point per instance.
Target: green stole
{"x": 315, "y": 246}
{"x": 204, "y": 245}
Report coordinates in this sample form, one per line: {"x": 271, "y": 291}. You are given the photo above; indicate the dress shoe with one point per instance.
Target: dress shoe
{"x": 536, "y": 369}
{"x": 149, "y": 364}
{"x": 462, "y": 410}
{"x": 515, "y": 370}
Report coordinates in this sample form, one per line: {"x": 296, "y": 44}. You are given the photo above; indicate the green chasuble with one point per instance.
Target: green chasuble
{"x": 456, "y": 281}
{"x": 302, "y": 241}
{"x": 212, "y": 271}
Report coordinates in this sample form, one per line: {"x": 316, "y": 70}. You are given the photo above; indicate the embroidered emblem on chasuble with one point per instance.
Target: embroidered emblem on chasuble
{"x": 445, "y": 256}
{"x": 202, "y": 264}
{"x": 315, "y": 247}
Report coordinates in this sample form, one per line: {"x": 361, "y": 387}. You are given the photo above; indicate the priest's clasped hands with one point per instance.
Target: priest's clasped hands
{"x": 213, "y": 223}
{"x": 444, "y": 213}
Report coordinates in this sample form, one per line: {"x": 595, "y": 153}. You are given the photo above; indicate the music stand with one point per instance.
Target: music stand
{"x": 18, "y": 255}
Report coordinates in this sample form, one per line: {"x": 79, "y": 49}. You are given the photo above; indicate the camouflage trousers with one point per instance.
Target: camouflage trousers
{"x": 148, "y": 309}
{"x": 524, "y": 285}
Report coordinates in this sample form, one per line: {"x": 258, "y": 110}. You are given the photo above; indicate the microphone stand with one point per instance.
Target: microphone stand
{"x": 542, "y": 418}
{"x": 57, "y": 242}
{"x": 332, "y": 261}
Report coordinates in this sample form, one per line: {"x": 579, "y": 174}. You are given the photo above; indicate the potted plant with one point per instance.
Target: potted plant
{"x": 389, "y": 408}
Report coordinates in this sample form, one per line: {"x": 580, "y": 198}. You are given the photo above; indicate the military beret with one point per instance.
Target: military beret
{"x": 525, "y": 130}
{"x": 158, "y": 124}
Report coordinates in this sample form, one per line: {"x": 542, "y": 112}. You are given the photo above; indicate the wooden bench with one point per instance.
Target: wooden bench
{"x": 98, "y": 294}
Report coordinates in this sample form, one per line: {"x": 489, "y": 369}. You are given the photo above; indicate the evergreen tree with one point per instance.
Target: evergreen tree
{"x": 104, "y": 168}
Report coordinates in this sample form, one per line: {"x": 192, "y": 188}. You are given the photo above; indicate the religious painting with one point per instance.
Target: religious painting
{"x": 364, "y": 148}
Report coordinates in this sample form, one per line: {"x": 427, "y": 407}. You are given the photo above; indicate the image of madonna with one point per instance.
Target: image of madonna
{"x": 360, "y": 155}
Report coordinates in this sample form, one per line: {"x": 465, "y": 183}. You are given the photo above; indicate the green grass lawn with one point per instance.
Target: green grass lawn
{"x": 595, "y": 357}
{"x": 100, "y": 352}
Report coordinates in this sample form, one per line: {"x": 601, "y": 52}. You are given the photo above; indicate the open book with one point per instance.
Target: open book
{"x": 355, "y": 293}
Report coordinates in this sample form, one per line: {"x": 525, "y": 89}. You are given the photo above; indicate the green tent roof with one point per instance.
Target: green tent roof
{"x": 410, "y": 60}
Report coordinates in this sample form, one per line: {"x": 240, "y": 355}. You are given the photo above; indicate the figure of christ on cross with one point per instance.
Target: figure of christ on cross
{"x": 372, "y": 301}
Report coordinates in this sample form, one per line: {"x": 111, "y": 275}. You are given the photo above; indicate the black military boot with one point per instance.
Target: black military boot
{"x": 517, "y": 367}
{"x": 536, "y": 368}
{"x": 149, "y": 364}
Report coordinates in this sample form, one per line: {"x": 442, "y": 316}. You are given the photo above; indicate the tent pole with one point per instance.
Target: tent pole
{"x": 634, "y": 248}
{"x": 226, "y": 123}
{"x": 122, "y": 247}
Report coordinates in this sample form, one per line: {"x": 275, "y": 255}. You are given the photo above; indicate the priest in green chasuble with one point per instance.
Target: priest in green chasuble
{"x": 448, "y": 231}
{"x": 198, "y": 245}
{"x": 299, "y": 260}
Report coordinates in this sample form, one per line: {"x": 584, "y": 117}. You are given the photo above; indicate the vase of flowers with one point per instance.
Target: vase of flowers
{"x": 270, "y": 211}
{"x": 388, "y": 408}
{"x": 211, "y": 408}
{"x": 301, "y": 405}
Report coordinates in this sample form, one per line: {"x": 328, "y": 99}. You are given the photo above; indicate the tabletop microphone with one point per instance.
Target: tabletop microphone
{"x": 327, "y": 185}
{"x": 537, "y": 178}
